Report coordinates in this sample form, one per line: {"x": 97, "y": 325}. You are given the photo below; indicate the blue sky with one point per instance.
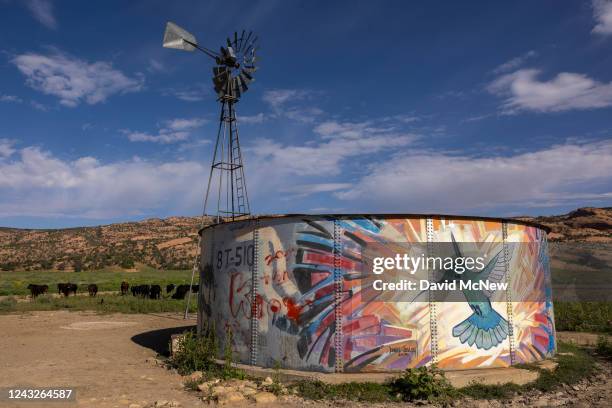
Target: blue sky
{"x": 489, "y": 108}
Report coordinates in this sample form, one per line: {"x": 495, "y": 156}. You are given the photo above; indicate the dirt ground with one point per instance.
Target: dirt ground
{"x": 104, "y": 357}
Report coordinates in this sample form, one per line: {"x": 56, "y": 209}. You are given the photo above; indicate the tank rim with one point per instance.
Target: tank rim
{"x": 384, "y": 215}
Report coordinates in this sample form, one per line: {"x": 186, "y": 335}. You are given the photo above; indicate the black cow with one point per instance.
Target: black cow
{"x": 195, "y": 288}
{"x": 169, "y": 288}
{"x": 124, "y": 288}
{"x": 181, "y": 291}
{"x": 36, "y": 290}
{"x": 155, "y": 292}
{"x": 141, "y": 290}
{"x": 66, "y": 288}
{"x": 92, "y": 289}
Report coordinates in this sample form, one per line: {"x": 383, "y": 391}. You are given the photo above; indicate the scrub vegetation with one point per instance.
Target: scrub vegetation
{"x": 429, "y": 384}
{"x": 583, "y": 316}
{"x": 101, "y": 303}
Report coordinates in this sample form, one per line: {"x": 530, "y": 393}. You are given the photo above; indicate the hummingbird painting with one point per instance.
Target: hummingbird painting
{"x": 485, "y": 328}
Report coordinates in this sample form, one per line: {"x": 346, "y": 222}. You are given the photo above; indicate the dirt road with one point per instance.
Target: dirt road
{"x": 102, "y": 356}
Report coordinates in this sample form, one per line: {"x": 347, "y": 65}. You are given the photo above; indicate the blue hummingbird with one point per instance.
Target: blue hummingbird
{"x": 485, "y": 327}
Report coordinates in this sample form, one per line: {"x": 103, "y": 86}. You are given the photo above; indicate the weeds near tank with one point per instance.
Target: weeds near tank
{"x": 276, "y": 387}
{"x": 604, "y": 347}
{"x": 353, "y": 391}
{"x": 197, "y": 353}
{"x": 423, "y": 383}
{"x": 583, "y": 316}
{"x": 574, "y": 365}
{"x": 200, "y": 353}
{"x": 228, "y": 370}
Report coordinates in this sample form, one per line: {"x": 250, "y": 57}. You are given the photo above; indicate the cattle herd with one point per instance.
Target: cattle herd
{"x": 143, "y": 291}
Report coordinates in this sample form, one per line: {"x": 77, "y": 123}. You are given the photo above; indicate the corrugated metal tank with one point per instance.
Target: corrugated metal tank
{"x": 286, "y": 288}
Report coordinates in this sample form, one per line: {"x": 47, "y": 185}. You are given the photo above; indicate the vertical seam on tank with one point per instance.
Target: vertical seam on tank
{"x": 338, "y": 335}
{"x": 549, "y": 283}
{"x": 509, "y": 308}
{"x": 433, "y": 323}
{"x": 254, "y": 295}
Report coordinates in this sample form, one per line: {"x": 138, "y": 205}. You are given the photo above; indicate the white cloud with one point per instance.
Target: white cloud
{"x": 429, "y": 181}
{"x": 524, "y": 91}
{"x": 156, "y": 66}
{"x": 278, "y": 98}
{"x": 10, "y": 98}
{"x": 259, "y": 118}
{"x": 6, "y": 148}
{"x": 349, "y": 130}
{"x": 288, "y": 103}
{"x": 303, "y": 114}
{"x": 602, "y": 12}
{"x": 515, "y": 62}
{"x": 42, "y": 10}
{"x": 185, "y": 124}
{"x": 307, "y": 189}
{"x": 174, "y": 130}
{"x": 323, "y": 158}
{"x": 36, "y": 183}
{"x": 73, "y": 80}
{"x": 194, "y": 93}
{"x": 39, "y": 106}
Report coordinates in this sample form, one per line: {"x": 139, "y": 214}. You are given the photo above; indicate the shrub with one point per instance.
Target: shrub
{"x": 421, "y": 383}
{"x": 127, "y": 263}
{"x": 584, "y": 316}
{"x": 604, "y": 347}
{"x": 197, "y": 353}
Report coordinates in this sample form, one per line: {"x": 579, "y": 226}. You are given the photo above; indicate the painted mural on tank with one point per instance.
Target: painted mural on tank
{"x": 474, "y": 333}
{"x": 225, "y": 280}
{"x": 296, "y": 289}
{"x": 299, "y": 327}
{"x": 531, "y": 294}
{"x": 296, "y": 285}
{"x": 381, "y": 334}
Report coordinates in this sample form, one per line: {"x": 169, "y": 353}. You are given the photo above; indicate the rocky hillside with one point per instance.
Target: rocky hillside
{"x": 582, "y": 225}
{"x": 171, "y": 243}
{"x": 166, "y": 244}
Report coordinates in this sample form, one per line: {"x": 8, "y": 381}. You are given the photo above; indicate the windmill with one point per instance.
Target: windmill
{"x": 232, "y": 73}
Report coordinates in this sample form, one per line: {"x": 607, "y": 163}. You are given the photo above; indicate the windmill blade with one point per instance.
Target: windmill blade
{"x": 229, "y": 43}
{"x": 250, "y": 47}
{"x": 178, "y": 38}
{"x": 244, "y": 87}
{"x": 244, "y": 78}
{"x": 241, "y": 41}
{"x": 246, "y": 41}
{"x": 246, "y": 74}
{"x": 236, "y": 40}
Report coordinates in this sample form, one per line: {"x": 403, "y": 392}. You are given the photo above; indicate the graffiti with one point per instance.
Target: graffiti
{"x": 304, "y": 281}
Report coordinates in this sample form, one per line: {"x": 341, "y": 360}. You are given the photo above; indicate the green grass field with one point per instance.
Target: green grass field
{"x": 109, "y": 279}
{"x": 101, "y": 304}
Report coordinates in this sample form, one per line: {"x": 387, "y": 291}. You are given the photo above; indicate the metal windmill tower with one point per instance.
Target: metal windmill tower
{"x": 233, "y": 71}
